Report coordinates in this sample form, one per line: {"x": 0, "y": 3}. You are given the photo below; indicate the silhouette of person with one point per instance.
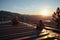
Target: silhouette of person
{"x": 39, "y": 26}
{"x": 15, "y": 21}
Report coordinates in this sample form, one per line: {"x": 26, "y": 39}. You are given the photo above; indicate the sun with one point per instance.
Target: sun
{"x": 44, "y": 12}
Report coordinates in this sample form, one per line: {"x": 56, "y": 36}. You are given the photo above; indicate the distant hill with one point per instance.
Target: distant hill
{"x": 5, "y": 15}
{"x": 32, "y": 19}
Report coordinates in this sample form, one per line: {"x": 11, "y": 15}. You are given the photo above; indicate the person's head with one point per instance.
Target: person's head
{"x": 40, "y": 20}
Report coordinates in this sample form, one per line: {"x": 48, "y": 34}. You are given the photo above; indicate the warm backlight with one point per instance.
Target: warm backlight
{"x": 44, "y": 12}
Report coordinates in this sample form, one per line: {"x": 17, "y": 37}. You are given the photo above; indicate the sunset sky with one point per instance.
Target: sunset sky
{"x": 29, "y": 6}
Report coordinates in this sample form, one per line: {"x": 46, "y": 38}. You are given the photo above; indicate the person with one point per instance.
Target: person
{"x": 39, "y": 27}
{"x": 15, "y": 21}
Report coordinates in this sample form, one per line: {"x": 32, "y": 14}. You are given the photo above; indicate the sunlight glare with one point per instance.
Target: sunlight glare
{"x": 45, "y": 12}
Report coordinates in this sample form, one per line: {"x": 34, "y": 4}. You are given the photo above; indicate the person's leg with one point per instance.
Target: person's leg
{"x": 37, "y": 32}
